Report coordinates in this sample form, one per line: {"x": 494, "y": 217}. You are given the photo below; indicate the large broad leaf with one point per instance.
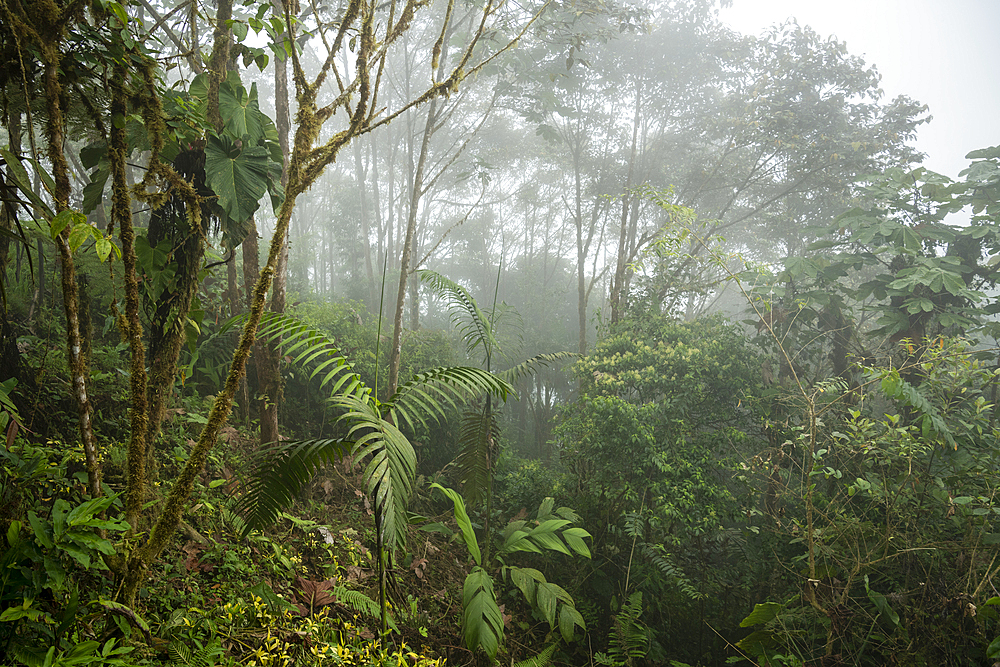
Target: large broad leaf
{"x": 237, "y": 173}
{"x": 240, "y": 111}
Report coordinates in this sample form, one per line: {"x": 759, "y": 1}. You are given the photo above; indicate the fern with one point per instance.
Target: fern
{"x": 658, "y": 557}
{"x": 360, "y": 603}
{"x": 181, "y": 653}
{"x": 629, "y": 635}
{"x": 543, "y": 659}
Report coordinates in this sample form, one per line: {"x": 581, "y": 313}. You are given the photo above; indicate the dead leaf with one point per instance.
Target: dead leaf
{"x": 316, "y": 593}
{"x": 356, "y": 574}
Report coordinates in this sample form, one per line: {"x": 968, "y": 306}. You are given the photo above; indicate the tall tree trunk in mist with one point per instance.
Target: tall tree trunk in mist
{"x": 404, "y": 263}
{"x": 619, "y": 288}
{"x": 268, "y": 368}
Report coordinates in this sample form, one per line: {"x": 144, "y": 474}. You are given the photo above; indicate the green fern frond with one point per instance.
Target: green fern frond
{"x": 630, "y": 637}
{"x": 278, "y": 475}
{"x": 182, "y": 654}
{"x": 658, "y": 557}
{"x": 532, "y": 365}
{"x": 543, "y": 659}
{"x": 478, "y": 436}
{"x": 360, "y": 603}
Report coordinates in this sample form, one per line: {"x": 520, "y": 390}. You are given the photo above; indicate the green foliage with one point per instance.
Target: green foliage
{"x": 482, "y": 620}
{"x": 630, "y": 637}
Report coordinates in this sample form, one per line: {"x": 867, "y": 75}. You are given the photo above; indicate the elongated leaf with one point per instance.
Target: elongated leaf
{"x": 468, "y": 534}
{"x": 277, "y": 476}
{"x": 392, "y": 463}
{"x": 482, "y": 621}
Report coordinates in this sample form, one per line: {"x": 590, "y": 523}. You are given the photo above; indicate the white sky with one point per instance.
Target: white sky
{"x": 943, "y": 53}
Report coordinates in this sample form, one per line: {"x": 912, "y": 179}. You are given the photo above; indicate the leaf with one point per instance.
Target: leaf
{"x": 762, "y": 613}
{"x": 129, "y": 615}
{"x": 237, "y": 173}
{"x": 569, "y": 618}
{"x": 468, "y": 534}
{"x": 482, "y": 621}
{"x": 93, "y": 192}
{"x": 574, "y": 538}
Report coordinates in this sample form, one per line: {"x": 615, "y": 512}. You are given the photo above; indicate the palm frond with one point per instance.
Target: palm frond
{"x": 473, "y": 324}
{"x": 311, "y": 347}
{"x": 532, "y": 365}
{"x": 478, "y": 436}
{"x": 427, "y": 393}
{"x": 391, "y": 463}
{"x": 277, "y": 476}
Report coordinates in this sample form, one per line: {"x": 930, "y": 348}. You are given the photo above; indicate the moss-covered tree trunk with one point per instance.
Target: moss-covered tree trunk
{"x": 269, "y": 368}
{"x": 131, "y": 326}
{"x": 48, "y": 39}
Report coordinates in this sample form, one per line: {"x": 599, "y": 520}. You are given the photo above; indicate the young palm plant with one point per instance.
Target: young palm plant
{"x": 374, "y": 435}
{"x": 479, "y": 432}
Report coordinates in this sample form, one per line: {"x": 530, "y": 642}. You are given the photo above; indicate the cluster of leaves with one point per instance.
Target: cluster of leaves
{"x": 651, "y": 446}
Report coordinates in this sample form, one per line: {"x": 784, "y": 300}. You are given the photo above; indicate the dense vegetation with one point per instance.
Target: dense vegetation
{"x": 761, "y": 430}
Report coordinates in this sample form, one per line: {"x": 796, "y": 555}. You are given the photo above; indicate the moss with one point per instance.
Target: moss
{"x": 121, "y": 215}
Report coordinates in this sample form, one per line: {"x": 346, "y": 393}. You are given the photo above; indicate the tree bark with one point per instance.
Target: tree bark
{"x": 404, "y": 263}
{"x": 121, "y": 214}
{"x": 268, "y": 367}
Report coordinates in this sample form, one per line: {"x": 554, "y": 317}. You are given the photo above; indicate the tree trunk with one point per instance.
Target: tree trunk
{"x": 404, "y": 264}
{"x": 269, "y": 368}
{"x": 75, "y": 344}
{"x": 619, "y": 294}
{"x": 121, "y": 213}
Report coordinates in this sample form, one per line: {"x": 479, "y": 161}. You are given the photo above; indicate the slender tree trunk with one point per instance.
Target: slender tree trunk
{"x": 250, "y": 387}
{"x": 581, "y": 254}
{"x": 121, "y": 214}
{"x": 269, "y": 368}
{"x": 404, "y": 264}
{"x": 76, "y": 346}
{"x": 619, "y": 295}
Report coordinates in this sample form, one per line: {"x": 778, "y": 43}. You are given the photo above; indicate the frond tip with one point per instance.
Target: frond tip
{"x": 277, "y": 476}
